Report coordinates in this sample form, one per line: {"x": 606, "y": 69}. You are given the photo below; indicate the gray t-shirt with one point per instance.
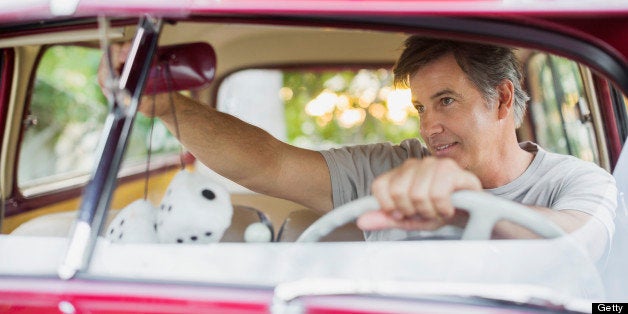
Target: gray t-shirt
{"x": 552, "y": 180}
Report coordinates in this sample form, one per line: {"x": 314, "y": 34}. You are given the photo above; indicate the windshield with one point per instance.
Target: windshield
{"x": 186, "y": 219}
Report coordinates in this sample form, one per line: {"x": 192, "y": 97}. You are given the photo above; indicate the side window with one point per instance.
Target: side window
{"x": 320, "y": 109}
{"x": 560, "y": 114}
{"x": 65, "y": 119}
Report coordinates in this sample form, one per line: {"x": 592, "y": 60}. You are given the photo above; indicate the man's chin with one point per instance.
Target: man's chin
{"x": 455, "y": 157}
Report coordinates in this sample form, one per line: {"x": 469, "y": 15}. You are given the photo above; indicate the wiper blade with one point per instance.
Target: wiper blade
{"x": 123, "y": 107}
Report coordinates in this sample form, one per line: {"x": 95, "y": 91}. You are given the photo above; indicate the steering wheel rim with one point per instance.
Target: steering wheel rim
{"x": 484, "y": 209}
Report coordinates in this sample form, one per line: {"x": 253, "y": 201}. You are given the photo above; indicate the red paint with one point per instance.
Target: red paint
{"x": 104, "y": 297}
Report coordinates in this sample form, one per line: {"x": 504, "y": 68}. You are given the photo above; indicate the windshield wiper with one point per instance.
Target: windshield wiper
{"x": 286, "y": 294}
{"x": 123, "y": 107}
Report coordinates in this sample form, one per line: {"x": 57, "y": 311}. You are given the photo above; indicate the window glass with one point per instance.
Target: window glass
{"x": 320, "y": 109}
{"x": 558, "y": 108}
{"x": 66, "y": 116}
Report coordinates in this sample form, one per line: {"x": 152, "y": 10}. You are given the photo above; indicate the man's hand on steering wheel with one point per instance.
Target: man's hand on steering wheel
{"x": 417, "y": 195}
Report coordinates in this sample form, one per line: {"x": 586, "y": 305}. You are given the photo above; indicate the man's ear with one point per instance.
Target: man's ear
{"x": 506, "y": 92}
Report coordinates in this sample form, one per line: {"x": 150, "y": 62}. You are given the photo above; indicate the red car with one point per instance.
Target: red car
{"x": 71, "y": 160}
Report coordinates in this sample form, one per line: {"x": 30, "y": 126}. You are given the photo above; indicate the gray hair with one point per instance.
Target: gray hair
{"x": 485, "y": 65}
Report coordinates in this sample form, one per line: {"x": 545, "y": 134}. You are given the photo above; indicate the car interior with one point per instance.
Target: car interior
{"x": 213, "y": 62}
{"x": 316, "y": 82}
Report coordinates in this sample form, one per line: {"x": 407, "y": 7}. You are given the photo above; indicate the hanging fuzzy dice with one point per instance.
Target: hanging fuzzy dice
{"x": 134, "y": 224}
{"x": 193, "y": 210}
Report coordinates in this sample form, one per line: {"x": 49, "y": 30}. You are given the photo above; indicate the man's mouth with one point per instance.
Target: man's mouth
{"x": 443, "y": 149}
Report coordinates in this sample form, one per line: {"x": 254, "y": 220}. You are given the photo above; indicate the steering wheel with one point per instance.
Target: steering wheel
{"x": 484, "y": 212}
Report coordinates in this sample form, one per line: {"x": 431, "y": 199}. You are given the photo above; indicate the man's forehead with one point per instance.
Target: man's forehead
{"x": 440, "y": 77}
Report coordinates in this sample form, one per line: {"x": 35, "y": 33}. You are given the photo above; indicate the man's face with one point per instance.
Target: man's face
{"x": 454, "y": 118}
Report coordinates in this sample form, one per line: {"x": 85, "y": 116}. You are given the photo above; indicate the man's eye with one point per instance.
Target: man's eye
{"x": 447, "y": 101}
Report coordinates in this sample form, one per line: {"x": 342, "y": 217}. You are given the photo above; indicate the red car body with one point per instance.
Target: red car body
{"x": 592, "y": 33}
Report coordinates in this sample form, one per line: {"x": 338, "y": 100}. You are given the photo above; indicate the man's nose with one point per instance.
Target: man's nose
{"x": 430, "y": 125}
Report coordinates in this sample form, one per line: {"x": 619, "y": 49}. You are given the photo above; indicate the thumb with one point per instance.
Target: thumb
{"x": 376, "y": 220}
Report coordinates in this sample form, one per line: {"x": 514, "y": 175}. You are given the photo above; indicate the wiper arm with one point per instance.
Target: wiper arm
{"x": 521, "y": 295}
{"x": 123, "y": 107}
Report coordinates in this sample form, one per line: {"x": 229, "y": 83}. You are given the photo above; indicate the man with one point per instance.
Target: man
{"x": 470, "y": 102}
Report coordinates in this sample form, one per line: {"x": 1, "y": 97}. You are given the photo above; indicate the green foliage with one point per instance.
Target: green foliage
{"x": 361, "y": 91}
{"x": 70, "y": 110}
{"x": 64, "y": 92}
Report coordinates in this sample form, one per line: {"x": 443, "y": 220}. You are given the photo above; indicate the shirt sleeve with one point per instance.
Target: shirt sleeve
{"x": 353, "y": 168}
{"x": 592, "y": 190}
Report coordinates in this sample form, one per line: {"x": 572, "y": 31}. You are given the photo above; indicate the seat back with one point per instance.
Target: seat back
{"x": 244, "y": 216}
{"x": 54, "y": 224}
{"x": 59, "y": 224}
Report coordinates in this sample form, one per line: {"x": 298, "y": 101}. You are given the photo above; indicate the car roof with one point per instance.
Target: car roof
{"x": 312, "y": 6}
{"x": 602, "y": 23}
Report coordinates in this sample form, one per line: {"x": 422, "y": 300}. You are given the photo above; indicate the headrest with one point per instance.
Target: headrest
{"x": 181, "y": 67}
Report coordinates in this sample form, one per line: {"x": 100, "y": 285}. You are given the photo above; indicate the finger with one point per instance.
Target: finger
{"x": 449, "y": 177}
{"x": 402, "y": 192}
{"x": 376, "y": 220}
{"x": 440, "y": 199}
{"x": 103, "y": 70}
{"x": 463, "y": 180}
{"x": 442, "y": 186}
{"x": 379, "y": 188}
{"x": 419, "y": 189}
{"x": 122, "y": 54}
{"x": 379, "y": 220}
{"x": 412, "y": 195}
{"x": 104, "y": 66}
{"x": 118, "y": 54}
{"x": 419, "y": 195}
{"x": 399, "y": 189}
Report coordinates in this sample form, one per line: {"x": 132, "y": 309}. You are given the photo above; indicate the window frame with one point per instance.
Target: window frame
{"x": 590, "y": 96}
{"x": 23, "y": 200}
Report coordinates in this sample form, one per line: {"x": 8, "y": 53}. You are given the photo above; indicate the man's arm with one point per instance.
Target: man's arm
{"x": 237, "y": 150}
{"x": 583, "y": 227}
{"x": 568, "y": 220}
{"x": 249, "y": 155}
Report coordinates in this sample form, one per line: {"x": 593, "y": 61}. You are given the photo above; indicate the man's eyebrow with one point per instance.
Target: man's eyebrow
{"x": 444, "y": 92}
{"x": 438, "y": 94}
